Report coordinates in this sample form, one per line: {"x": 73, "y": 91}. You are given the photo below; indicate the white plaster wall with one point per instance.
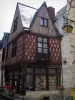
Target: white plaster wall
{"x": 72, "y": 38}
{"x": 66, "y": 79}
{"x": 66, "y": 68}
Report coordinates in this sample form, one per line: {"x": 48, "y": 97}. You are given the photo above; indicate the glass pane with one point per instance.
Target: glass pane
{"x": 45, "y": 22}
{"x": 44, "y": 45}
{"x": 40, "y": 50}
{"x": 52, "y": 83}
{"x": 30, "y": 70}
{"x": 40, "y": 71}
{"x": 45, "y": 40}
{"x": 52, "y": 71}
{"x": 39, "y": 39}
{"x": 39, "y": 44}
{"x": 45, "y": 50}
{"x": 40, "y": 82}
{"x": 41, "y": 21}
{"x": 29, "y": 81}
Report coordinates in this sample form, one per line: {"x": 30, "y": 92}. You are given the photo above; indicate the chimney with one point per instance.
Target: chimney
{"x": 52, "y": 12}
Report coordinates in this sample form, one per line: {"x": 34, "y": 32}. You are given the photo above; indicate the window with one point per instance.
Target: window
{"x": 44, "y": 22}
{"x": 14, "y": 46}
{"x": 42, "y": 45}
{"x": 3, "y": 54}
{"x": 7, "y": 52}
{"x": 15, "y": 24}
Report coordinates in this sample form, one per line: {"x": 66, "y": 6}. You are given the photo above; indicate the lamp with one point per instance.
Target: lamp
{"x": 67, "y": 26}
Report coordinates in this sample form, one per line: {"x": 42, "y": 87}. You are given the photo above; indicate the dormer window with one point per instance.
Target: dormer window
{"x": 15, "y": 24}
{"x": 44, "y": 22}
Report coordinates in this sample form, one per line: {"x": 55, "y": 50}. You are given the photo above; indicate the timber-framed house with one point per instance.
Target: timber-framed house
{"x": 32, "y": 58}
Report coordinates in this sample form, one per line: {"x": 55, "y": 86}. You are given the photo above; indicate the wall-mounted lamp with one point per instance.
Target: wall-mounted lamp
{"x": 64, "y": 62}
{"x": 67, "y": 26}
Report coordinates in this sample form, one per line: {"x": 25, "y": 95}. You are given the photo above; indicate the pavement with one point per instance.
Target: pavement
{"x": 3, "y": 98}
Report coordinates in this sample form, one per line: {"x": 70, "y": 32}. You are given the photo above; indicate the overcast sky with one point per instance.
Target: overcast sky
{"x": 7, "y": 10}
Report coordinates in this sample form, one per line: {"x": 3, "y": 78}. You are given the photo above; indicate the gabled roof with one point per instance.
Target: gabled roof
{"x": 26, "y": 14}
{"x": 44, "y": 4}
{"x": 36, "y": 14}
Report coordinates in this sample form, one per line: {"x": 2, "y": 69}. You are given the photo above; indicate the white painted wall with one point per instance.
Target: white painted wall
{"x": 66, "y": 68}
{"x": 72, "y": 38}
{"x": 65, "y": 50}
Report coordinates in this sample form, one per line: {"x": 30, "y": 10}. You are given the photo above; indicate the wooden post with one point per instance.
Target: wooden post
{"x": 47, "y": 79}
{"x": 23, "y": 87}
{"x": 18, "y": 83}
{"x": 13, "y": 83}
{"x": 34, "y": 77}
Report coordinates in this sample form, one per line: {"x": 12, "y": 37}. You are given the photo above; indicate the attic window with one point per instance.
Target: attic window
{"x": 44, "y": 22}
{"x": 15, "y": 24}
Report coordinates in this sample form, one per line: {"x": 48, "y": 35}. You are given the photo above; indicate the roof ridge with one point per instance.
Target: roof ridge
{"x": 26, "y": 5}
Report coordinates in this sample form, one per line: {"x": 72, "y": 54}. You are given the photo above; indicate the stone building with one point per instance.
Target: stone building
{"x": 66, "y": 79}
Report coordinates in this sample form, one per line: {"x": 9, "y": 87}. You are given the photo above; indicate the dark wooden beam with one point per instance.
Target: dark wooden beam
{"x": 13, "y": 81}
{"x": 34, "y": 78}
{"x": 47, "y": 79}
{"x": 23, "y": 86}
{"x": 18, "y": 84}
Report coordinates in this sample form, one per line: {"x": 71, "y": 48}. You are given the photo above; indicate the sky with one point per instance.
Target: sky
{"x": 7, "y": 10}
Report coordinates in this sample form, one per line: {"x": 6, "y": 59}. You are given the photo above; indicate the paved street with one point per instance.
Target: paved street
{"x": 2, "y": 98}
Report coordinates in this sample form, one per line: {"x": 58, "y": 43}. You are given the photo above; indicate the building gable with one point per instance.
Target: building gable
{"x": 43, "y": 13}
{"x": 17, "y": 26}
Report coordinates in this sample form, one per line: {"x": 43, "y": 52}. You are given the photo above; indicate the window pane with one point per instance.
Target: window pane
{"x": 39, "y": 39}
{"x": 41, "y": 21}
{"x": 30, "y": 70}
{"x": 40, "y": 50}
{"x": 45, "y": 40}
{"x": 45, "y": 22}
{"x": 44, "y": 45}
{"x": 40, "y": 71}
{"x": 29, "y": 81}
{"x": 39, "y": 44}
{"x": 45, "y": 50}
{"x": 52, "y": 71}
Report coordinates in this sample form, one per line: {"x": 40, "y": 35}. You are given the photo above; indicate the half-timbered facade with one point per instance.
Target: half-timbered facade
{"x": 32, "y": 58}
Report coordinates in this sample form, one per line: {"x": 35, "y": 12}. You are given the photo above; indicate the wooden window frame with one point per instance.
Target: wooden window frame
{"x": 3, "y": 54}
{"x": 43, "y": 19}
{"x": 14, "y": 47}
{"x": 7, "y": 52}
{"x": 15, "y": 24}
{"x": 42, "y": 42}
